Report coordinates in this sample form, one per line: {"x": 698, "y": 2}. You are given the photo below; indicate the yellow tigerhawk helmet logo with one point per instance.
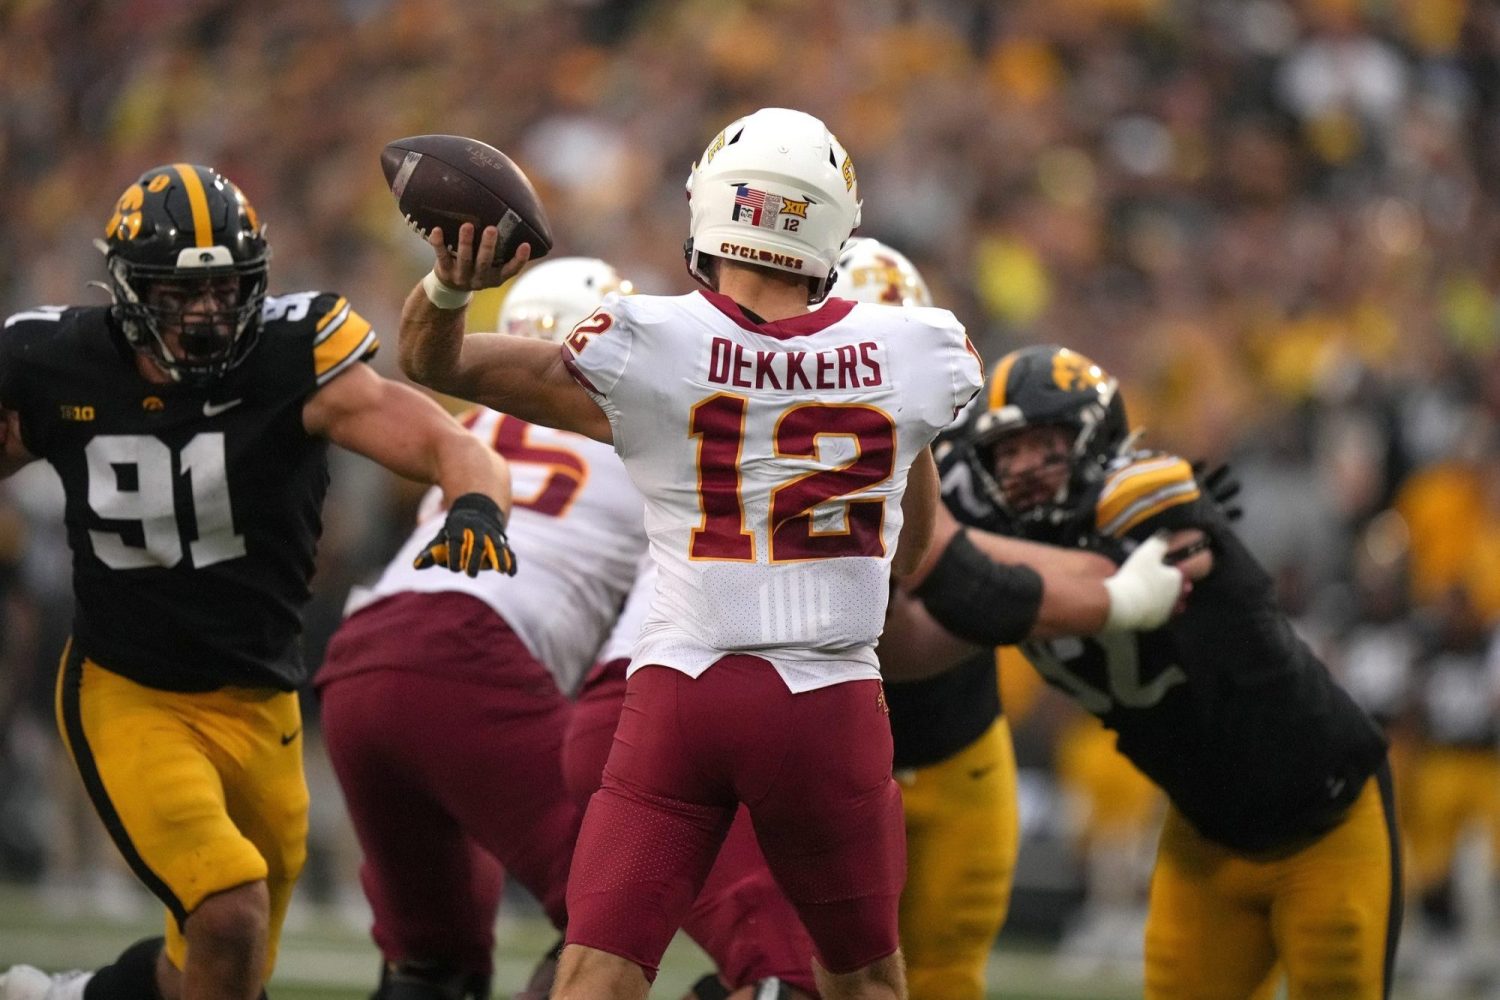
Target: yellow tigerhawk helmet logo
{"x": 251, "y": 215}
{"x": 125, "y": 224}
{"x": 1073, "y": 372}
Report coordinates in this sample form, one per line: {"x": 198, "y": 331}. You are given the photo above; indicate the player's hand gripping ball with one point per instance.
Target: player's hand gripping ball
{"x": 443, "y": 181}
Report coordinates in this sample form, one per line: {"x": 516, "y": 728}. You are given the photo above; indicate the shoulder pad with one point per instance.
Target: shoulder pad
{"x": 1140, "y": 487}
{"x": 340, "y": 336}
{"x": 31, "y": 328}
{"x": 36, "y": 314}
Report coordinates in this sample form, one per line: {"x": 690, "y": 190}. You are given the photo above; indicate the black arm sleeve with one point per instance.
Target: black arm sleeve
{"x": 978, "y": 599}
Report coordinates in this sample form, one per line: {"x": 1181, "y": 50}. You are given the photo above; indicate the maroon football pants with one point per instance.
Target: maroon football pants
{"x": 813, "y": 772}
{"x": 446, "y": 736}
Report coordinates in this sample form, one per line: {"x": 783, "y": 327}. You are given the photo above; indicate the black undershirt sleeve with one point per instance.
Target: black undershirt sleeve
{"x": 978, "y": 599}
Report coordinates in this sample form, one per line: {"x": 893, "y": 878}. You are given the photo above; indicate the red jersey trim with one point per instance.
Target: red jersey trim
{"x": 575, "y": 371}
{"x": 829, "y": 313}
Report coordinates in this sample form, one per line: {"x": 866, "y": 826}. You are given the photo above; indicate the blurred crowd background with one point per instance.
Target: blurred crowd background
{"x": 1276, "y": 221}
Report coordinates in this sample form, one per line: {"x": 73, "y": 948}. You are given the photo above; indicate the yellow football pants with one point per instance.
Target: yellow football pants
{"x": 201, "y": 792}
{"x": 1328, "y": 913}
{"x": 1452, "y": 789}
{"x": 962, "y": 836}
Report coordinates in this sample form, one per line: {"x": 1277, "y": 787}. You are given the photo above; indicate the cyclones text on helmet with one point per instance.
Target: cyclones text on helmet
{"x": 775, "y": 189}
{"x": 552, "y": 297}
{"x": 872, "y": 271}
{"x": 1047, "y": 386}
{"x": 187, "y": 260}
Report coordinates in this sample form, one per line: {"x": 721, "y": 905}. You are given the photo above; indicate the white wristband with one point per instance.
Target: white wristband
{"x": 442, "y": 295}
{"x": 1144, "y": 590}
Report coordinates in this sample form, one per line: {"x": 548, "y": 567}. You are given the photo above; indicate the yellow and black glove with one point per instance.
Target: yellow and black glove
{"x": 471, "y": 539}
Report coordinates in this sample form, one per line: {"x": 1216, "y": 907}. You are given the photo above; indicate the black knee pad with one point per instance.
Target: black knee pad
{"x": 429, "y": 981}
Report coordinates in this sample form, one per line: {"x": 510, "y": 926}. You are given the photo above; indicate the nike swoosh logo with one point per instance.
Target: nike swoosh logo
{"x": 214, "y": 409}
{"x": 286, "y": 738}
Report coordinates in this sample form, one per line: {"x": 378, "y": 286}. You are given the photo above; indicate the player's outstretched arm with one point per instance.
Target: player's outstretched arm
{"x": 406, "y": 432}
{"x": 913, "y": 646}
{"x": 994, "y": 590}
{"x": 13, "y": 454}
{"x": 409, "y": 434}
{"x": 516, "y": 375}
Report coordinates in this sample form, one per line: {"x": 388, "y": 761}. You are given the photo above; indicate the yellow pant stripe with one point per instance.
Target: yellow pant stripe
{"x": 1398, "y": 887}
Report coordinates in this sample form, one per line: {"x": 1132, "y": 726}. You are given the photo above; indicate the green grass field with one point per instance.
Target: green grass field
{"x": 324, "y": 958}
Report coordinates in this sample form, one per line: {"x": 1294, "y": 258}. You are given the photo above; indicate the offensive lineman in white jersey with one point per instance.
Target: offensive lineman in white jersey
{"x": 450, "y": 697}
{"x": 783, "y": 457}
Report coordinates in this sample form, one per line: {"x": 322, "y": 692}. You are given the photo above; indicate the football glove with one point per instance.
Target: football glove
{"x": 1223, "y": 485}
{"x": 471, "y": 539}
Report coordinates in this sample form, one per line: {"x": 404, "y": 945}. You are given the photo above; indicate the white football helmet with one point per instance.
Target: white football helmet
{"x": 548, "y": 300}
{"x": 871, "y": 271}
{"x": 776, "y": 189}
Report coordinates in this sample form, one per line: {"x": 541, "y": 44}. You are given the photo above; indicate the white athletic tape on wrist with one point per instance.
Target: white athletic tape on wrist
{"x": 1143, "y": 591}
{"x": 442, "y": 295}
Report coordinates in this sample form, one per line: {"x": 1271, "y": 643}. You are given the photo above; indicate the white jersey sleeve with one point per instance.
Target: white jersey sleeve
{"x": 576, "y": 528}
{"x": 772, "y": 459}
{"x": 598, "y": 349}
{"x": 947, "y": 349}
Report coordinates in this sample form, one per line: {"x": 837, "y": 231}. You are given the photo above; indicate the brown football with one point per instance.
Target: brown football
{"x": 447, "y": 180}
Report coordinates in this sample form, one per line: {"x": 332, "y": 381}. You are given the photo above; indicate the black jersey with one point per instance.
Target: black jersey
{"x": 1224, "y": 707}
{"x": 193, "y": 513}
{"x": 934, "y": 718}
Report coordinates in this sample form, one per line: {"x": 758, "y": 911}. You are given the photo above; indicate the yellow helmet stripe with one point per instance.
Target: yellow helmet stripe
{"x": 203, "y": 229}
{"x": 999, "y": 377}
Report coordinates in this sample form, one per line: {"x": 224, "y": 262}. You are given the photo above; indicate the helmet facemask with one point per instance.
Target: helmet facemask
{"x": 196, "y": 323}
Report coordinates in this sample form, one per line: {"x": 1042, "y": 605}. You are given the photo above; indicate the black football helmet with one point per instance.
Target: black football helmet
{"x": 182, "y": 237}
{"x": 1047, "y": 385}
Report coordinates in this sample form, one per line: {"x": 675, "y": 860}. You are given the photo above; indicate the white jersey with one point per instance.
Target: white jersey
{"x": 772, "y": 458}
{"x": 576, "y": 529}
{"x": 622, "y": 638}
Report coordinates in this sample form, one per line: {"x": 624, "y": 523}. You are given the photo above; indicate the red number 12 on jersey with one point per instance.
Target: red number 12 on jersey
{"x": 719, "y": 424}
